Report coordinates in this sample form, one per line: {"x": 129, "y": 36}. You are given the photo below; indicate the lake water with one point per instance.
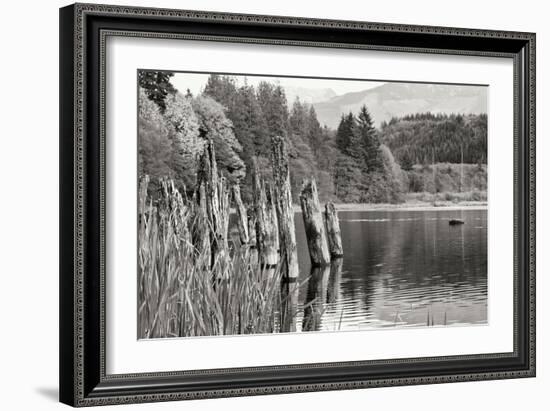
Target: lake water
{"x": 400, "y": 269}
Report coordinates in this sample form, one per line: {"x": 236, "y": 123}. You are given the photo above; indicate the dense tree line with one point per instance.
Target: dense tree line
{"x": 260, "y": 113}
{"x": 354, "y": 163}
{"x": 428, "y": 138}
{"x": 365, "y": 168}
{"x": 171, "y": 141}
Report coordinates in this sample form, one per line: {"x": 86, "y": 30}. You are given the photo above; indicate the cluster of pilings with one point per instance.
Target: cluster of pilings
{"x": 213, "y": 200}
{"x": 324, "y": 240}
{"x": 268, "y": 223}
{"x": 322, "y": 228}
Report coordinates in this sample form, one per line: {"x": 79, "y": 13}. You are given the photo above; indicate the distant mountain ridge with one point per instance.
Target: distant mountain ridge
{"x": 399, "y": 99}
{"x": 308, "y": 95}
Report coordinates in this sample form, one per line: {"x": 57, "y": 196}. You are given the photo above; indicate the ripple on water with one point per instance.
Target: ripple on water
{"x": 415, "y": 270}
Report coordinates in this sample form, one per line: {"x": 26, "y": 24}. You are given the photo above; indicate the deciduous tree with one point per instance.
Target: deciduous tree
{"x": 215, "y": 126}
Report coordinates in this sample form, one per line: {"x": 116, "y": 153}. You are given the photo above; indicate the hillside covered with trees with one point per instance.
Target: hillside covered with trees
{"x": 426, "y": 138}
{"x": 356, "y": 163}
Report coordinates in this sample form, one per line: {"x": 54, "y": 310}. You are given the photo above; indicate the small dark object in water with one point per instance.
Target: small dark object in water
{"x": 456, "y": 221}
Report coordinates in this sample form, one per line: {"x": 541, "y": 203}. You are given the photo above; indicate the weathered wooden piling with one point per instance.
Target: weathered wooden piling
{"x": 272, "y": 215}
{"x": 172, "y": 204}
{"x": 242, "y": 217}
{"x": 285, "y": 210}
{"x": 266, "y": 230}
{"x": 221, "y": 221}
{"x": 216, "y": 201}
{"x": 314, "y": 224}
{"x": 201, "y": 236}
{"x": 334, "y": 235}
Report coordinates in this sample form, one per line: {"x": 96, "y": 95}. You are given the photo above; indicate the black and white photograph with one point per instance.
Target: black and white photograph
{"x": 292, "y": 204}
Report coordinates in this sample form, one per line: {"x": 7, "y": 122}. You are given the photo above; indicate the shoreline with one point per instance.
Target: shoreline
{"x": 406, "y": 206}
{"x": 410, "y": 206}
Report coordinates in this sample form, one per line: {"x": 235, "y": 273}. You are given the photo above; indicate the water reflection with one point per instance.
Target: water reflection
{"x": 401, "y": 268}
{"x": 316, "y": 298}
{"x": 289, "y": 311}
{"x": 334, "y": 280}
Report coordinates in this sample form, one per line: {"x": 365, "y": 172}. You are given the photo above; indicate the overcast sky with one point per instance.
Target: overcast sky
{"x": 383, "y": 104}
{"x": 195, "y": 83}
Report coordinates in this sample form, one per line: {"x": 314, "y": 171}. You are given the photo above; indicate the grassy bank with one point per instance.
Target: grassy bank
{"x": 190, "y": 286}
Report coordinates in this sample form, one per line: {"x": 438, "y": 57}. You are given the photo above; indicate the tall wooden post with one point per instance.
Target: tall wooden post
{"x": 241, "y": 215}
{"x": 285, "y": 210}
{"x": 216, "y": 199}
{"x": 314, "y": 224}
{"x": 334, "y": 235}
{"x": 201, "y": 234}
{"x": 220, "y": 221}
{"x": 272, "y": 215}
{"x": 266, "y": 231}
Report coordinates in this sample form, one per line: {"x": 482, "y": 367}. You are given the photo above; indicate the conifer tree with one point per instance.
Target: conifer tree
{"x": 156, "y": 85}
{"x": 314, "y": 133}
{"x": 272, "y": 100}
{"x": 345, "y": 132}
{"x": 367, "y": 138}
{"x": 223, "y": 89}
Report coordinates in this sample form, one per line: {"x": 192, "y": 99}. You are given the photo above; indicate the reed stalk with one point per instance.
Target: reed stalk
{"x": 184, "y": 289}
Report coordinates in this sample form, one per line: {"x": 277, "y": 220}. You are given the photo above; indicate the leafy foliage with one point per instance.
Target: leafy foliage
{"x": 249, "y": 126}
{"x": 214, "y": 125}
{"x": 155, "y": 149}
{"x": 354, "y": 163}
{"x": 183, "y": 128}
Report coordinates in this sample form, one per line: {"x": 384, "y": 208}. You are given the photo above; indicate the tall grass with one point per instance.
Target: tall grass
{"x": 186, "y": 290}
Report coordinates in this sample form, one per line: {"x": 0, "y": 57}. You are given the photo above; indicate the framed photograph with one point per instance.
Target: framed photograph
{"x": 261, "y": 204}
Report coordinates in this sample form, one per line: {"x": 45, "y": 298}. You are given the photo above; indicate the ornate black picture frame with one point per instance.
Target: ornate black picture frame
{"x": 83, "y": 31}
